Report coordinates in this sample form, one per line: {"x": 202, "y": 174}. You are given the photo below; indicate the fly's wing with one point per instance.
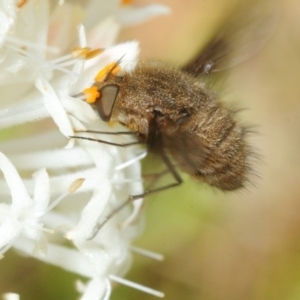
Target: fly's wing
{"x": 243, "y": 34}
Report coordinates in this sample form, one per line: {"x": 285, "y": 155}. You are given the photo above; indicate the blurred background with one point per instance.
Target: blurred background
{"x": 242, "y": 245}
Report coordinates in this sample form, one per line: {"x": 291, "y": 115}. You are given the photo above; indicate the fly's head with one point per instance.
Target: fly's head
{"x": 104, "y": 93}
{"x": 117, "y": 101}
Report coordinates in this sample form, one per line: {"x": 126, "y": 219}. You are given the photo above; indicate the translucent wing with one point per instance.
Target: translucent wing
{"x": 243, "y": 34}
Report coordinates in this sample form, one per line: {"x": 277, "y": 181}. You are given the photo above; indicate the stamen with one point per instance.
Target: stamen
{"x": 5, "y": 248}
{"x": 126, "y": 2}
{"x": 42, "y": 61}
{"x": 137, "y": 286}
{"x": 76, "y": 185}
{"x": 59, "y": 63}
{"x": 56, "y": 201}
{"x": 21, "y": 3}
{"x": 23, "y": 43}
{"x": 112, "y": 68}
{"x": 86, "y": 52}
{"x": 92, "y": 94}
{"x": 80, "y": 52}
{"x": 81, "y": 35}
{"x": 147, "y": 253}
{"x": 108, "y": 290}
{"x": 66, "y": 64}
{"x": 94, "y": 53}
{"x": 131, "y": 161}
{"x": 62, "y": 58}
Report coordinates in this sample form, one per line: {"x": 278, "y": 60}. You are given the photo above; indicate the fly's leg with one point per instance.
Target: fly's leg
{"x": 170, "y": 168}
{"x": 132, "y": 198}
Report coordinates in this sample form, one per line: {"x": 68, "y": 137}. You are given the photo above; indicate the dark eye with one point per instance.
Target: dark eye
{"x": 106, "y": 101}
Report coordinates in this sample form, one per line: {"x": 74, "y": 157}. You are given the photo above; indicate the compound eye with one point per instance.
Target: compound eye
{"x": 105, "y": 104}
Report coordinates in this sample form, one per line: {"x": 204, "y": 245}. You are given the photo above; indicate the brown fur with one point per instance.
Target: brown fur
{"x": 171, "y": 110}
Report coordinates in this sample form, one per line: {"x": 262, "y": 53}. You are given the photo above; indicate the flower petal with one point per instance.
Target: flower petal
{"x": 9, "y": 231}
{"x": 54, "y": 107}
{"x": 104, "y": 33}
{"x": 28, "y": 110}
{"x": 7, "y": 20}
{"x": 53, "y": 159}
{"x": 92, "y": 211}
{"x": 60, "y": 256}
{"x": 20, "y": 197}
{"x": 127, "y": 52}
{"x": 94, "y": 290}
{"x": 80, "y": 109}
{"x": 41, "y": 195}
{"x": 63, "y": 22}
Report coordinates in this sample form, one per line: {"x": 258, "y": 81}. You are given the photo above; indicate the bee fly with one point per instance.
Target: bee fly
{"x": 178, "y": 117}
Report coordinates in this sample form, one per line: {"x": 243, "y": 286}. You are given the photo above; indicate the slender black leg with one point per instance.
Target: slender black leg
{"x": 105, "y": 142}
{"x": 155, "y": 177}
{"x": 132, "y": 198}
{"x": 166, "y": 160}
{"x": 109, "y": 132}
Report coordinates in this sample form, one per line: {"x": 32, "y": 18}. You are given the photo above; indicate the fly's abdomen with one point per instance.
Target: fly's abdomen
{"x": 226, "y": 163}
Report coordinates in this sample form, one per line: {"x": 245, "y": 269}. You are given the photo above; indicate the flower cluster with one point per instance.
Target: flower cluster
{"x": 74, "y": 184}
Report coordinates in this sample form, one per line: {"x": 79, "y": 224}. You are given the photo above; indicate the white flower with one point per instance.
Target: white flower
{"x": 40, "y": 76}
{"x": 23, "y": 215}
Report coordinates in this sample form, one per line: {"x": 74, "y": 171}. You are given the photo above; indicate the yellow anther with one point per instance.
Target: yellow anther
{"x": 112, "y": 68}
{"x": 94, "y": 53}
{"x": 126, "y": 2}
{"x": 21, "y": 3}
{"x": 75, "y": 185}
{"x": 86, "y": 52}
{"x": 92, "y": 94}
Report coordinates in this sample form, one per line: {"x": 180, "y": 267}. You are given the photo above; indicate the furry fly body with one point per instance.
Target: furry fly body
{"x": 178, "y": 117}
